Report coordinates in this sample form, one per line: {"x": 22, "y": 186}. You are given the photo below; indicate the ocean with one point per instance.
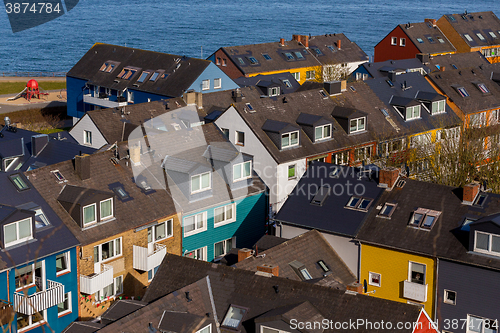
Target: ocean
{"x": 197, "y": 28}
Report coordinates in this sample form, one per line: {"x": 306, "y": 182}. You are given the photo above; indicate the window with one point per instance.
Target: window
{"x": 387, "y": 210}
{"x": 482, "y": 87}
{"x": 199, "y": 254}
{"x": 323, "y": 266}
{"x": 89, "y": 214}
{"x": 154, "y": 76}
{"x": 323, "y": 132}
{"x": 420, "y": 40}
{"x": 234, "y": 316}
{"x": 222, "y": 248}
{"x": 478, "y": 119}
{"x": 305, "y": 274}
{"x": 487, "y": 243}
{"x": 87, "y": 137}
{"x": 289, "y": 56}
{"x": 224, "y": 62}
{"x": 217, "y": 61}
{"x": 225, "y": 214}
{"x": 394, "y": 40}
{"x": 225, "y": 131}
{"x": 320, "y": 196}
{"x": 389, "y": 82}
{"x": 143, "y": 77}
{"x": 374, "y": 279}
{"x": 290, "y": 139}
{"x": 63, "y": 263}
{"x": 240, "y": 60}
{"x": 341, "y": 158}
{"x": 469, "y": 38}
{"x": 275, "y": 91}
{"x": 126, "y": 73}
{"x": 291, "y": 171}
{"x": 299, "y": 55}
{"x": 492, "y": 34}
{"x": 310, "y": 75}
{"x": 431, "y": 40}
{"x": 424, "y": 218}
{"x": 107, "y": 67}
{"x": 438, "y": 107}
{"x": 205, "y": 85}
{"x": 450, "y": 297}
{"x": 29, "y": 321}
{"x": 242, "y": 171}
{"x": 130, "y": 96}
{"x": 331, "y": 48}
{"x": 252, "y": 60}
{"x": 287, "y": 83}
{"x": 359, "y": 203}
{"x": 65, "y": 306}
{"x": 17, "y": 232}
{"x": 200, "y": 182}
{"x": 206, "y": 329}
{"x": 363, "y": 153}
{"x": 195, "y": 223}
{"x": 19, "y": 182}
{"x": 120, "y": 191}
{"x": 24, "y": 276}
{"x": 480, "y": 199}
{"x": 249, "y": 106}
{"x": 416, "y": 273}
{"x": 318, "y": 51}
{"x": 240, "y": 138}
{"x": 266, "y": 56}
{"x": 480, "y": 36}
{"x": 357, "y": 125}
{"x": 113, "y": 289}
{"x": 106, "y": 208}
{"x": 476, "y": 324}
{"x": 40, "y": 218}
{"x": 402, "y": 42}
{"x": 413, "y": 112}
{"x": 108, "y": 250}
{"x": 152, "y": 273}
{"x": 217, "y": 83}
{"x": 296, "y": 76}
{"x": 440, "y": 40}
{"x": 160, "y": 231}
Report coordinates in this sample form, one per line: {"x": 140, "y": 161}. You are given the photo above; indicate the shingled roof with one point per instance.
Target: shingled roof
{"x": 473, "y": 23}
{"x": 428, "y": 38}
{"x": 457, "y": 61}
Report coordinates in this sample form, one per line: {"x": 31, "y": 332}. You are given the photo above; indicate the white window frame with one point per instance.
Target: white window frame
{"x": 225, "y": 221}
{"x": 233, "y": 245}
{"x": 202, "y": 250}
{"x": 289, "y": 134}
{"x": 262, "y": 327}
{"x": 441, "y": 107}
{"x": 196, "y": 221}
{"x": 154, "y": 238}
{"x": 340, "y": 158}
{"x": 310, "y": 75}
{"x": 69, "y": 309}
{"x": 358, "y": 129}
{"x": 67, "y": 256}
{"x": 294, "y": 167}
{"x": 217, "y": 83}
{"x": 95, "y": 215}
{"x": 31, "y": 325}
{"x": 469, "y": 326}
{"x": 100, "y": 209}
{"x": 323, "y": 137}
{"x": 410, "y": 263}
{"x": 402, "y": 42}
{"x": 201, "y": 189}
{"x": 204, "y": 328}
{"x": 394, "y": 40}
{"x": 241, "y": 143}
{"x": 274, "y": 91}
{"x": 296, "y": 76}
{"x": 153, "y": 273}
{"x": 205, "y": 85}
{"x": 413, "y": 112}
{"x": 18, "y": 240}
{"x": 446, "y": 299}
{"x": 242, "y": 168}
{"x": 115, "y": 255}
{"x": 372, "y": 274}
{"x": 365, "y": 155}
{"x": 87, "y": 137}
{"x": 32, "y": 277}
{"x": 490, "y": 243}
{"x": 100, "y": 292}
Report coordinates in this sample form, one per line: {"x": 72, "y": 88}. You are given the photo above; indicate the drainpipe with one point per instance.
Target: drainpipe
{"x": 8, "y": 297}
{"x": 436, "y": 293}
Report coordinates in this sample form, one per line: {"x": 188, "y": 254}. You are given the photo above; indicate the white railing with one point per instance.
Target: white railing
{"x": 91, "y": 284}
{"x": 415, "y": 291}
{"x": 104, "y": 102}
{"x": 41, "y": 300}
{"x": 144, "y": 261}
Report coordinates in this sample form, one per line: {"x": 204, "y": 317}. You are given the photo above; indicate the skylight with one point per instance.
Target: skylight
{"x": 469, "y": 38}
{"x": 480, "y": 199}
{"x": 492, "y": 34}
{"x": 289, "y": 56}
{"x": 424, "y": 218}
{"x": 480, "y": 36}
{"x": 352, "y": 88}
{"x": 463, "y": 92}
{"x": 389, "y": 82}
{"x": 318, "y": 51}
{"x": 320, "y": 197}
{"x": 234, "y": 316}
{"x": 431, "y": 40}
{"x": 287, "y": 83}
{"x": 331, "y": 48}
{"x": 454, "y": 66}
{"x": 385, "y": 112}
{"x": 451, "y": 18}
{"x": 154, "y": 76}
{"x": 58, "y": 175}
{"x": 241, "y": 61}
{"x": 323, "y": 266}
{"x": 143, "y": 77}
{"x": 126, "y": 73}
{"x": 323, "y": 93}
{"x": 482, "y": 87}
{"x": 19, "y": 182}
{"x": 107, "y": 67}
{"x": 252, "y": 60}
{"x": 249, "y": 107}
{"x": 420, "y": 40}
{"x": 387, "y": 210}
{"x": 164, "y": 76}
{"x": 440, "y": 40}
{"x": 359, "y": 203}
{"x": 120, "y": 191}
{"x": 305, "y": 274}
{"x": 266, "y": 56}
{"x": 299, "y": 55}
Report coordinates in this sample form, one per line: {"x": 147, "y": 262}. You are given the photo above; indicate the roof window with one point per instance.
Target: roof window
{"x": 320, "y": 197}
{"x": 164, "y": 76}
{"x": 143, "y": 76}
{"x": 241, "y": 61}
{"x": 234, "y": 316}
{"x": 389, "y": 82}
{"x": 331, "y": 48}
{"x": 440, "y": 40}
{"x": 462, "y": 91}
{"x": 387, "y": 210}
{"x": 299, "y": 55}
{"x": 318, "y": 51}
{"x": 120, "y": 191}
{"x": 323, "y": 266}
{"x": 127, "y": 73}
{"x": 451, "y": 18}
{"x": 107, "y": 67}
{"x": 431, "y": 40}
{"x": 480, "y": 36}
{"x": 468, "y": 37}
{"x": 249, "y": 107}
{"x": 287, "y": 83}
{"x": 289, "y": 56}
{"x": 359, "y": 203}
{"x": 480, "y": 199}
{"x": 19, "y": 182}
{"x": 492, "y": 34}
{"x": 154, "y": 76}
{"x": 482, "y": 87}
{"x": 266, "y": 56}
{"x": 301, "y": 270}
{"x": 420, "y": 40}
{"x": 58, "y": 176}
{"x": 252, "y": 60}
{"x": 424, "y": 218}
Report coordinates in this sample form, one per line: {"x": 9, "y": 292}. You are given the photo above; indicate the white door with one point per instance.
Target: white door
{"x": 97, "y": 261}
{"x": 151, "y": 237}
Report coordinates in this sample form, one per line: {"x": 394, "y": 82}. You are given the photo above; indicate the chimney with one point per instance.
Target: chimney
{"x": 135, "y": 153}
{"x": 335, "y": 87}
{"x": 282, "y": 41}
{"x": 356, "y": 287}
{"x": 431, "y": 21}
{"x": 82, "y": 166}
{"x": 338, "y": 44}
{"x": 423, "y": 57}
{"x": 470, "y": 192}
{"x": 244, "y": 253}
{"x": 237, "y": 95}
{"x": 388, "y": 177}
{"x": 267, "y": 268}
{"x": 442, "y": 69}
{"x": 392, "y": 76}
{"x": 304, "y": 39}
{"x": 38, "y": 142}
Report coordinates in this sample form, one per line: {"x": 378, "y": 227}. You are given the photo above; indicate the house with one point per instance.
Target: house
{"x": 406, "y": 41}
{"x": 114, "y": 76}
{"x": 193, "y": 296}
{"x": 422, "y": 246}
{"x": 124, "y": 227}
{"x": 456, "y": 61}
{"x": 323, "y": 58}
{"x": 222, "y": 202}
{"x": 471, "y": 32}
{"x": 306, "y": 257}
{"x": 370, "y": 70}
{"x": 270, "y": 85}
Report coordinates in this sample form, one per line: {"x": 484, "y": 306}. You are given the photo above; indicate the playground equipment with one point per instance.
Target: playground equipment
{"x": 32, "y": 90}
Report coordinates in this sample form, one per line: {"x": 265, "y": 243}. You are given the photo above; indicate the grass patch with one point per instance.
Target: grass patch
{"x": 46, "y": 120}
{"x": 16, "y": 87}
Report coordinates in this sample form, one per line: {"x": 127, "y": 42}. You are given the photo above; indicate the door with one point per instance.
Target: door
{"x": 40, "y": 275}
{"x": 97, "y": 261}
{"x": 151, "y": 243}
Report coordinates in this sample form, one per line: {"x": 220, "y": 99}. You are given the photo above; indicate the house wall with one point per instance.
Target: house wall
{"x": 210, "y": 73}
{"x": 248, "y": 227}
{"x": 230, "y": 69}
{"x": 453, "y": 36}
{"x": 86, "y": 124}
{"x": 74, "y": 102}
{"x": 471, "y": 298}
{"x": 345, "y": 247}
{"x": 142, "y": 96}
{"x": 284, "y": 185}
{"x": 302, "y": 72}
{"x": 394, "y": 269}
{"x": 385, "y": 51}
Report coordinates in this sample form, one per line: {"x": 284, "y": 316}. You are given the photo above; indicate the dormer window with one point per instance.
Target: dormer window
{"x": 106, "y": 209}
{"x": 17, "y": 232}
{"x": 413, "y": 112}
{"x": 234, "y": 316}
{"x": 487, "y": 243}
{"x": 89, "y": 214}
{"x": 275, "y": 91}
{"x": 290, "y": 139}
{"x": 323, "y": 132}
{"x": 357, "y": 125}
{"x": 242, "y": 171}
{"x": 424, "y": 218}
{"x": 438, "y": 107}
{"x": 200, "y": 182}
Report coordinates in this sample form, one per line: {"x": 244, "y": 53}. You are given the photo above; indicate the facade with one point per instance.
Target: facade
{"x": 111, "y": 76}
{"x": 371, "y": 70}
{"x": 406, "y": 41}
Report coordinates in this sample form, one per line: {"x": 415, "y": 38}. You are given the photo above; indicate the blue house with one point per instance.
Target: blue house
{"x": 114, "y": 76}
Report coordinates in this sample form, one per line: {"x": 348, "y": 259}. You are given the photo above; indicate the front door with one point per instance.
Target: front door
{"x": 97, "y": 261}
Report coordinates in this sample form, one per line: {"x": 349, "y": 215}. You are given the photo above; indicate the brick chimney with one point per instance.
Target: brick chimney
{"x": 135, "y": 153}
{"x": 338, "y": 44}
{"x": 282, "y": 41}
{"x": 244, "y": 253}
{"x": 82, "y": 166}
{"x": 470, "y": 192}
{"x": 267, "y": 268}
{"x": 304, "y": 39}
{"x": 388, "y": 177}
{"x": 431, "y": 21}
{"x": 356, "y": 287}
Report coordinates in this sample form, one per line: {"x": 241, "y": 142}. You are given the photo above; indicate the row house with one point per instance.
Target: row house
{"x": 371, "y": 70}
{"x": 308, "y": 58}
{"x": 115, "y": 76}
{"x": 456, "y": 61}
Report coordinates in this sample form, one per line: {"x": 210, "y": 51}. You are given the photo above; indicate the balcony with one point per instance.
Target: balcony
{"x": 144, "y": 261}
{"x": 90, "y": 284}
{"x": 102, "y": 102}
{"x": 41, "y": 300}
{"x": 415, "y": 291}
{"x": 5, "y": 311}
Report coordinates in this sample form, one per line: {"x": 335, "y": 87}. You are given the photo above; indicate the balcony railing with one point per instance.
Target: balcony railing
{"x": 92, "y": 283}
{"x": 415, "y": 291}
{"x": 41, "y": 300}
{"x": 103, "y": 102}
{"x": 144, "y": 261}
{"x": 5, "y": 311}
